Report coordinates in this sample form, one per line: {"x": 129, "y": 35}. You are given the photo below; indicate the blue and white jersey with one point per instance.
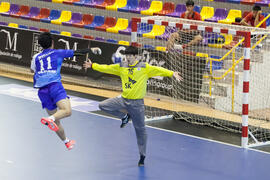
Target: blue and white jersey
{"x": 47, "y": 66}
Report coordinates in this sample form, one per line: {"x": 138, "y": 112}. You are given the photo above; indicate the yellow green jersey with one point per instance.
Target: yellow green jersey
{"x": 134, "y": 78}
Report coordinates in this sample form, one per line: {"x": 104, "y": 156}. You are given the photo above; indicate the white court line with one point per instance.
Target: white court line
{"x": 174, "y": 132}
{"x": 197, "y": 137}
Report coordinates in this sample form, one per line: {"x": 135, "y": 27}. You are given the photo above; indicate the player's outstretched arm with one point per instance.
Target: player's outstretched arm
{"x": 87, "y": 64}
{"x": 81, "y": 52}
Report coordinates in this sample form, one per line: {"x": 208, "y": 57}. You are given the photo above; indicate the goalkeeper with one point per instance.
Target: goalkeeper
{"x": 134, "y": 75}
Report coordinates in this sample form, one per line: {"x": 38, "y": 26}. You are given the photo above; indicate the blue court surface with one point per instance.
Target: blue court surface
{"x": 30, "y": 151}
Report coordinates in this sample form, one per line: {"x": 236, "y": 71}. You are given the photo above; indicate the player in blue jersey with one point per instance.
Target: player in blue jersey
{"x": 47, "y": 65}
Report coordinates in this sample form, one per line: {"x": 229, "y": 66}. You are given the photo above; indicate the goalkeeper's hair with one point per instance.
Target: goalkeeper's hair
{"x": 45, "y": 40}
{"x": 190, "y": 3}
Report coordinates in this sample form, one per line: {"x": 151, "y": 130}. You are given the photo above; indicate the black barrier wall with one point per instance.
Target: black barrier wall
{"x": 17, "y": 46}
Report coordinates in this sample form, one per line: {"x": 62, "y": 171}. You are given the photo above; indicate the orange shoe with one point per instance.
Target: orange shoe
{"x": 70, "y": 144}
{"x": 50, "y": 124}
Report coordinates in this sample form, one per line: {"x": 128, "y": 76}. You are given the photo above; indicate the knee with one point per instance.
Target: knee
{"x": 101, "y": 106}
{"x": 68, "y": 112}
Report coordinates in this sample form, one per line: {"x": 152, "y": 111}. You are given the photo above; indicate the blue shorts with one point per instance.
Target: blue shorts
{"x": 49, "y": 95}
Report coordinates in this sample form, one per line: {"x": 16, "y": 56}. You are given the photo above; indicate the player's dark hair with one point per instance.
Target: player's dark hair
{"x": 130, "y": 50}
{"x": 45, "y": 40}
{"x": 256, "y": 8}
{"x": 190, "y": 3}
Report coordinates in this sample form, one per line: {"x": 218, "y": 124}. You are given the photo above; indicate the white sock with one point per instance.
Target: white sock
{"x": 52, "y": 118}
{"x": 66, "y": 140}
{"x": 125, "y": 116}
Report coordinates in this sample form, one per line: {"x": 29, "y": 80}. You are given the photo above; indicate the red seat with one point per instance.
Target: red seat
{"x": 44, "y": 30}
{"x": 105, "y": 3}
{"x": 249, "y": 2}
{"x": 86, "y": 19}
{"x": 168, "y": 7}
{"x": 109, "y": 22}
{"x": 24, "y": 10}
{"x": 44, "y": 13}
{"x": 88, "y": 37}
{"x": 70, "y": 1}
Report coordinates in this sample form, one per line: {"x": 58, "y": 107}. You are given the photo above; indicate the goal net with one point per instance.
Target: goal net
{"x": 224, "y": 69}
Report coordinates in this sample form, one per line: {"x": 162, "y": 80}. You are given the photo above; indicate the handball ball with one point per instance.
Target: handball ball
{"x": 116, "y": 58}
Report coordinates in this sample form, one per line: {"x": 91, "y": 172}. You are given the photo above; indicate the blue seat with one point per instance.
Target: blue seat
{"x": 112, "y": 41}
{"x": 144, "y": 28}
{"x": 54, "y": 14}
{"x": 23, "y": 27}
{"x": 81, "y": 2}
{"x": 197, "y": 8}
{"x": 131, "y": 5}
{"x": 55, "y": 32}
{"x": 234, "y": 1}
{"x": 98, "y": 21}
{"x": 267, "y": 20}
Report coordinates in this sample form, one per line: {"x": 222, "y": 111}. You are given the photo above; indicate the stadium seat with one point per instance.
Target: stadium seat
{"x": 3, "y": 23}
{"x": 219, "y": 15}
{"x": 167, "y": 33}
{"x": 43, "y": 14}
{"x": 155, "y": 6}
{"x": 23, "y": 27}
{"x": 234, "y": 1}
{"x": 168, "y": 8}
{"x": 55, "y": 32}
{"x": 126, "y": 31}
{"x": 228, "y": 39}
{"x": 263, "y": 3}
{"x": 97, "y": 21}
{"x": 57, "y": 1}
{"x": 81, "y": 2}
{"x": 33, "y": 28}
{"x": 24, "y": 10}
{"x": 75, "y": 18}
{"x": 100, "y": 39}
{"x": 93, "y": 3}
{"x": 13, "y": 25}
{"x": 77, "y": 35}
{"x": 70, "y": 1}
{"x": 54, "y": 14}
{"x": 34, "y": 11}
{"x": 156, "y": 31}
{"x": 14, "y": 9}
{"x": 148, "y": 47}
{"x": 104, "y": 4}
{"x": 109, "y": 22}
{"x": 88, "y": 37}
{"x": 160, "y": 48}
{"x": 131, "y": 4}
{"x": 207, "y": 12}
{"x": 125, "y": 43}
{"x": 233, "y": 13}
{"x": 267, "y": 20}
{"x": 44, "y": 30}
{"x": 117, "y": 4}
{"x": 4, "y": 7}
{"x": 249, "y": 2}
{"x": 65, "y": 33}
{"x": 197, "y": 8}
{"x": 144, "y": 28}
{"x": 121, "y": 24}
{"x": 143, "y": 5}
{"x": 112, "y": 41}
{"x": 64, "y": 17}
{"x": 86, "y": 20}
{"x": 179, "y": 9}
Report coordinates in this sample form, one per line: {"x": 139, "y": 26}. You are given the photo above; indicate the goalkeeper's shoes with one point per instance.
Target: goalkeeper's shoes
{"x": 141, "y": 161}
{"x": 125, "y": 120}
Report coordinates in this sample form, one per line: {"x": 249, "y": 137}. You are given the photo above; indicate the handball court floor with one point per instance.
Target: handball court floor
{"x": 30, "y": 151}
